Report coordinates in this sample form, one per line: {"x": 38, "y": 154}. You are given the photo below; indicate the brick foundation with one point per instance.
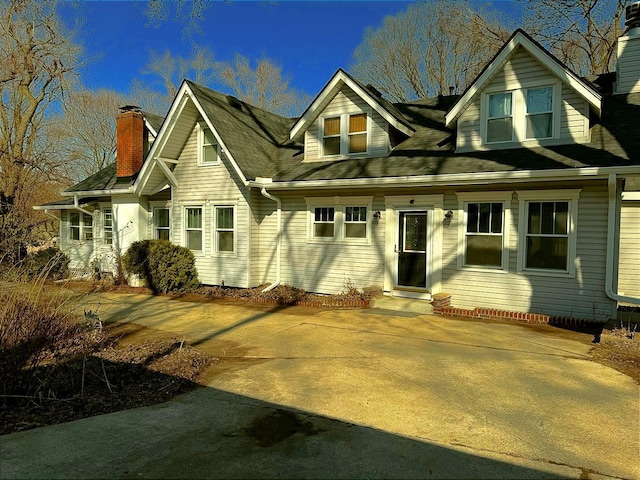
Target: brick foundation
{"x": 442, "y": 306}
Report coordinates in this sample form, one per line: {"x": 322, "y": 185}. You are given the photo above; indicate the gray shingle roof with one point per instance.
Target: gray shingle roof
{"x": 258, "y": 141}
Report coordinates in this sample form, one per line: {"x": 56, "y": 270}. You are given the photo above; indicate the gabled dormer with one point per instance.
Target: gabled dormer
{"x": 525, "y": 97}
{"x": 348, "y": 120}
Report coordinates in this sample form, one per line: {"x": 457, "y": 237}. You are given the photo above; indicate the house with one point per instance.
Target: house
{"x": 507, "y": 197}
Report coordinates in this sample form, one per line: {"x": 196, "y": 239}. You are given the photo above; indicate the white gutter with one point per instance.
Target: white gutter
{"x": 612, "y": 221}
{"x": 78, "y": 207}
{"x": 98, "y": 193}
{"x": 263, "y": 191}
{"x": 457, "y": 179}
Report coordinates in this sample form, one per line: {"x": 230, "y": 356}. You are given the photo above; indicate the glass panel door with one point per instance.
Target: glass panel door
{"x": 412, "y": 251}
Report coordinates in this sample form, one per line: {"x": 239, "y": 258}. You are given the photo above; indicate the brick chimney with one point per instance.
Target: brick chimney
{"x": 129, "y": 141}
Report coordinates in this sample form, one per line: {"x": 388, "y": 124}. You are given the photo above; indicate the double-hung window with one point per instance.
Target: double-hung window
{"x": 107, "y": 220}
{"x": 345, "y": 134}
{"x": 324, "y": 222}
{"x": 484, "y": 229}
{"x": 80, "y": 226}
{"x": 225, "y": 229}
{"x": 194, "y": 234}
{"x": 548, "y": 231}
{"x": 208, "y": 148}
{"x": 331, "y": 137}
{"x": 162, "y": 229}
{"x": 539, "y": 112}
{"x": 355, "y": 222}
{"x": 500, "y": 117}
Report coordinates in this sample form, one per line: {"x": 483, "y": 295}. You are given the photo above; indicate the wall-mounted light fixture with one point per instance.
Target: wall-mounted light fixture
{"x": 448, "y": 216}
{"x": 376, "y": 217}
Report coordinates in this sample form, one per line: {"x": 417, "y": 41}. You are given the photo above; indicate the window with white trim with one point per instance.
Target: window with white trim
{"x": 547, "y": 236}
{"x": 548, "y": 231}
{"x": 345, "y": 134}
{"x": 208, "y": 148}
{"x": 339, "y": 219}
{"x": 225, "y": 229}
{"x": 483, "y": 235}
{"x": 355, "y": 222}
{"x": 500, "y": 117}
{"x": 161, "y": 224}
{"x": 484, "y": 229}
{"x": 324, "y": 222}
{"x": 539, "y": 112}
{"x": 80, "y": 226}
{"x": 194, "y": 233}
{"x": 528, "y": 113}
{"x": 107, "y": 225}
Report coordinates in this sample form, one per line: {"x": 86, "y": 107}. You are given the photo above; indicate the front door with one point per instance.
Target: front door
{"x": 412, "y": 249}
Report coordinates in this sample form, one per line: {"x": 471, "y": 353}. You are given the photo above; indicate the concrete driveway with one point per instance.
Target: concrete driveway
{"x": 309, "y": 393}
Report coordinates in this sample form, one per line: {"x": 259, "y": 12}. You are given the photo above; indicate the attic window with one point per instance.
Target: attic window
{"x": 345, "y": 134}
{"x": 500, "y": 118}
{"x": 208, "y": 148}
{"x": 539, "y": 102}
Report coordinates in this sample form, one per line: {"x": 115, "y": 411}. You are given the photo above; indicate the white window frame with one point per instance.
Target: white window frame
{"x": 344, "y": 134}
{"x": 202, "y": 126}
{"x": 519, "y": 114}
{"x": 107, "y": 229}
{"x": 464, "y": 199}
{"x": 202, "y": 228}
{"x": 524, "y": 198}
{"x": 83, "y": 229}
{"x": 511, "y": 116}
{"x": 527, "y": 114}
{"x": 345, "y": 222}
{"x": 339, "y": 204}
{"x": 234, "y": 229}
{"x": 154, "y": 224}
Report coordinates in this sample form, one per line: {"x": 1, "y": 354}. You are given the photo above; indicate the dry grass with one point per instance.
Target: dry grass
{"x": 619, "y": 351}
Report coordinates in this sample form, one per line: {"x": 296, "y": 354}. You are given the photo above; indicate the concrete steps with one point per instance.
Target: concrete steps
{"x": 399, "y": 304}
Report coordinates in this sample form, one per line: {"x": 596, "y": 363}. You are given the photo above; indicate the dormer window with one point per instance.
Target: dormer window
{"x": 208, "y": 148}
{"x": 539, "y": 105}
{"x": 346, "y": 134}
{"x": 500, "y": 118}
{"x": 527, "y": 114}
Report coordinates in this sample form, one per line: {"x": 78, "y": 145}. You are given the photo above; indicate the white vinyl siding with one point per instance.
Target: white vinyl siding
{"x": 581, "y": 296}
{"x": 216, "y": 185}
{"x": 346, "y": 101}
{"x": 321, "y": 266}
{"x": 628, "y": 65}
{"x": 629, "y": 270}
{"x": 518, "y": 73}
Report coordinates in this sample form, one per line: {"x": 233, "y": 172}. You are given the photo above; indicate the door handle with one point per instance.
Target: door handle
{"x": 395, "y": 249}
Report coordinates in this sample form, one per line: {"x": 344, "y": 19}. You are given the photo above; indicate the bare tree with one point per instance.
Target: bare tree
{"x": 581, "y": 33}
{"x": 428, "y": 48}
{"x": 38, "y": 60}
{"x": 169, "y": 70}
{"x": 263, "y": 86}
{"x": 86, "y": 131}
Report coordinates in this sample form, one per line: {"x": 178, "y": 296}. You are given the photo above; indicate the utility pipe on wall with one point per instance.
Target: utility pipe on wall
{"x": 77, "y": 206}
{"x": 612, "y": 218}
{"x": 266, "y": 194}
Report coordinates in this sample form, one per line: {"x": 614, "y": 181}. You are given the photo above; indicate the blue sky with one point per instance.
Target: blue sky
{"x": 309, "y": 39}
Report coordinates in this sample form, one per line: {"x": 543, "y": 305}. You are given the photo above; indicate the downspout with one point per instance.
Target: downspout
{"x": 266, "y": 194}
{"x": 77, "y": 206}
{"x": 612, "y": 218}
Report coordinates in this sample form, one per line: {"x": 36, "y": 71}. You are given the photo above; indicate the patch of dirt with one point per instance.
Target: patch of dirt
{"x": 620, "y": 352}
{"x": 123, "y": 374}
{"x": 277, "y": 427}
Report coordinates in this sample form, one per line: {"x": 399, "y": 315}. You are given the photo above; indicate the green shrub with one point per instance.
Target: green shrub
{"x": 48, "y": 263}
{"x": 165, "y": 267}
